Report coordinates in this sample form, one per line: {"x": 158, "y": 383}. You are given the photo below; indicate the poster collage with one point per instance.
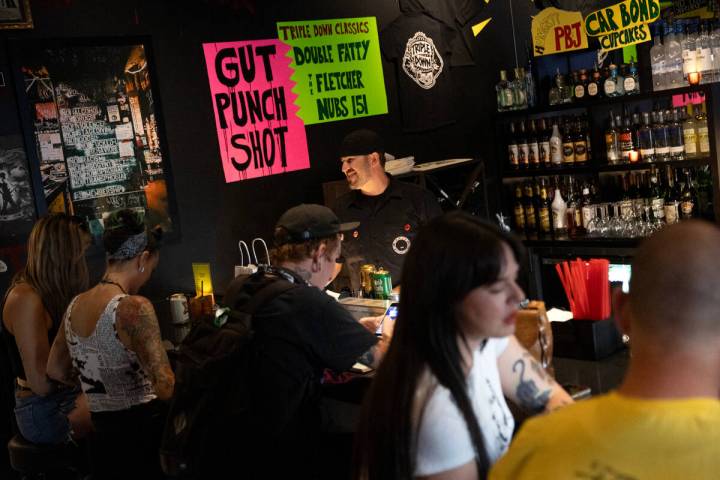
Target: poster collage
{"x": 95, "y": 131}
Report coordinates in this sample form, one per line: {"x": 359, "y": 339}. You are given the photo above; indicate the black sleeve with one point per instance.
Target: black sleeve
{"x": 343, "y": 339}
{"x": 431, "y": 207}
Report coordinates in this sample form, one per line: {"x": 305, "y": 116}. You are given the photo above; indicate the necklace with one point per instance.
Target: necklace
{"x": 110, "y": 282}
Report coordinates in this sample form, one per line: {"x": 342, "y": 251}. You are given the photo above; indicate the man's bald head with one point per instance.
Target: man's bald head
{"x": 675, "y": 284}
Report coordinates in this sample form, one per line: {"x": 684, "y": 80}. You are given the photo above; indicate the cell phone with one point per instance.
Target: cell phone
{"x": 391, "y": 313}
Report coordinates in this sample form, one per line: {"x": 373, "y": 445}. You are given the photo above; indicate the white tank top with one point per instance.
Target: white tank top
{"x": 110, "y": 374}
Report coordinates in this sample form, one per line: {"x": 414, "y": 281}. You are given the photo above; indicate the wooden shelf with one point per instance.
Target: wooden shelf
{"x": 606, "y": 242}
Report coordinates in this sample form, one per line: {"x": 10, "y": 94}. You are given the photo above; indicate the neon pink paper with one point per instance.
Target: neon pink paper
{"x": 241, "y": 158}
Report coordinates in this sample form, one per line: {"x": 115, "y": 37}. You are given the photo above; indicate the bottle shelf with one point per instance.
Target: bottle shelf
{"x": 579, "y": 241}
{"x": 602, "y": 168}
{"x": 589, "y": 104}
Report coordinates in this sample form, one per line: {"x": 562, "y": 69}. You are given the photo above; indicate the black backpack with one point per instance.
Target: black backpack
{"x": 210, "y": 406}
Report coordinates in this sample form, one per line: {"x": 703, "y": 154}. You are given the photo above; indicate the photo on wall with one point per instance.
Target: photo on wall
{"x": 17, "y": 210}
{"x": 96, "y": 130}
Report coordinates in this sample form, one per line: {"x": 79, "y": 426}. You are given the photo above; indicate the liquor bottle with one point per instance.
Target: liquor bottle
{"x": 620, "y": 80}
{"x": 513, "y": 152}
{"x": 518, "y": 89}
{"x": 632, "y": 80}
{"x": 690, "y": 133}
{"x": 646, "y": 141}
{"x": 559, "y": 210}
{"x": 703, "y": 54}
{"x": 671, "y": 205}
{"x": 588, "y": 143}
{"x": 581, "y": 85}
{"x": 533, "y": 147}
{"x": 610, "y": 84}
{"x": 626, "y": 200}
{"x": 689, "y": 51}
{"x": 573, "y": 212}
{"x": 556, "y": 148}
{"x": 676, "y": 137}
{"x": 657, "y": 199}
{"x": 566, "y": 92}
{"x": 544, "y": 145}
{"x": 657, "y": 60}
{"x": 625, "y": 139}
{"x": 580, "y": 145}
{"x": 519, "y": 210}
{"x": 702, "y": 132}
{"x": 715, "y": 44}
{"x": 587, "y": 209}
{"x": 662, "y": 142}
{"x": 688, "y": 204}
{"x": 523, "y": 147}
{"x": 612, "y": 142}
{"x": 568, "y": 145}
{"x": 674, "y": 56}
{"x": 530, "y": 89}
{"x": 544, "y": 209}
{"x": 504, "y": 93}
{"x": 554, "y": 94}
{"x": 635, "y": 130}
{"x": 529, "y": 206}
{"x": 594, "y": 86}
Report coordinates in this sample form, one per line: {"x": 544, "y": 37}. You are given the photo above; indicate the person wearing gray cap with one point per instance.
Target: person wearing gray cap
{"x": 389, "y": 211}
{"x": 300, "y": 332}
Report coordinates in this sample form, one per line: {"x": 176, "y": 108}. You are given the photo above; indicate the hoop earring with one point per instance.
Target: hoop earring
{"x": 141, "y": 269}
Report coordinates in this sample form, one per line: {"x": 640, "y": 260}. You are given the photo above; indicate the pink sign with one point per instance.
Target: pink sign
{"x": 258, "y": 129}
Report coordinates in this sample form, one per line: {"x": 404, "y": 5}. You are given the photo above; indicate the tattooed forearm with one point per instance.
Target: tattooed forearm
{"x": 527, "y": 393}
{"x": 137, "y": 320}
{"x": 370, "y": 357}
{"x": 537, "y": 368}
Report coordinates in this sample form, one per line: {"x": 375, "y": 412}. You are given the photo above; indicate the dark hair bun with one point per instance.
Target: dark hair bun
{"x": 121, "y": 225}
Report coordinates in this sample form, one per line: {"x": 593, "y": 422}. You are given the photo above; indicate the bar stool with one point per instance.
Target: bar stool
{"x": 39, "y": 462}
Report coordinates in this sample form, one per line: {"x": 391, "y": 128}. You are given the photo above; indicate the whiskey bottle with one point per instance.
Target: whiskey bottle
{"x": 513, "y": 152}
{"x": 612, "y": 142}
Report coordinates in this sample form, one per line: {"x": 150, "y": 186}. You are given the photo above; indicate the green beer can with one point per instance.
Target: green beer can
{"x": 382, "y": 284}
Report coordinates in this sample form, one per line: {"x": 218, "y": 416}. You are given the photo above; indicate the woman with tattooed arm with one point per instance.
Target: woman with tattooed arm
{"x": 436, "y": 409}
{"x": 111, "y": 337}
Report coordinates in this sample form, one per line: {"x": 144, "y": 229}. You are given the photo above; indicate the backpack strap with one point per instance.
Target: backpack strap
{"x": 274, "y": 288}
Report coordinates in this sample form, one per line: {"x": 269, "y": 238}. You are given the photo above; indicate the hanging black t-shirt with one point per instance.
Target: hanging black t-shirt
{"x": 455, "y": 14}
{"x": 421, "y": 48}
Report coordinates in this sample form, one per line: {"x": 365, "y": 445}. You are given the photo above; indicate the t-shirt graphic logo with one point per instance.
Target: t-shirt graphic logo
{"x": 422, "y": 61}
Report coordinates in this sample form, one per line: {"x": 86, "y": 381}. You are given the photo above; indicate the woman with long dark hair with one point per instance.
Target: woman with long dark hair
{"x": 47, "y": 412}
{"x": 436, "y": 407}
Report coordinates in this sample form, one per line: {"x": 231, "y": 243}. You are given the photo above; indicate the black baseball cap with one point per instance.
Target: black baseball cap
{"x": 309, "y": 222}
{"x": 361, "y": 142}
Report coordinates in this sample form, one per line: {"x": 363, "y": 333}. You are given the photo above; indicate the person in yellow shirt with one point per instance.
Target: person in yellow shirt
{"x": 664, "y": 420}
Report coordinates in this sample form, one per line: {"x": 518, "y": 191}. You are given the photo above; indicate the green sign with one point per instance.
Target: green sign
{"x": 338, "y": 71}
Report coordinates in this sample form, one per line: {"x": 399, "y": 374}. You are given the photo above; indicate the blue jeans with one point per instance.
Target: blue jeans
{"x": 44, "y": 419}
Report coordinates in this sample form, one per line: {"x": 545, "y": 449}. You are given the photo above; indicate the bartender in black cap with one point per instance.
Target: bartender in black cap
{"x": 389, "y": 211}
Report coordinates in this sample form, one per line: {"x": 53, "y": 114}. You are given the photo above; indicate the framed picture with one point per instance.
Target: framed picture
{"x": 93, "y": 116}
{"x": 15, "y": 14}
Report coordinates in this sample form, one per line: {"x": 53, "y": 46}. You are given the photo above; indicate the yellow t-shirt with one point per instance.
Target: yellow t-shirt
{"x": 614, "y": 437}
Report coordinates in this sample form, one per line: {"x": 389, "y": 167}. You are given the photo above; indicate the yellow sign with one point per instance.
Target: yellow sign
{"x": 203, "y": 280}
{"x": 555, "y": 31}
{"x": 623, "y": 24}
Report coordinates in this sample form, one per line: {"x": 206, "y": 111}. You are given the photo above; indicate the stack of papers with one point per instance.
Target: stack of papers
{"x": 399, "y": 166}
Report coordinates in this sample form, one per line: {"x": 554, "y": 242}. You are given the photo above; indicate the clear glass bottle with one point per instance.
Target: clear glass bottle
{"x": 566, "y": 92}
{"x": 690, "y": 133}
{"x": 703, "y": 134}
{"x": 530, "y": 88}
{"x": 632, "y": 80}
{"x": 646, "y": 141}
{"x": 715, "y": 45}
{"x": 689, "y": 49}
{"x": 660, "y": 134}
{"x": 610, "y": 84}
{"x": 674, "y": 56}
{"x": 656, "y": 197}
{"x": 504, "y": 93}
{"x": 612, "y": 142}
{"x": 518, "y": 88}
{"x": 676, "y": 137}
{"x": 554, "y": 97}
{"x": 657, "y": 60}
{"x": 703, "y": 54}
{"x": 671, "y": 205}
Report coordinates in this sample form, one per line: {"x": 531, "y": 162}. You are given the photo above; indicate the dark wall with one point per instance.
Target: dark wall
{"x": 213, "y": 215}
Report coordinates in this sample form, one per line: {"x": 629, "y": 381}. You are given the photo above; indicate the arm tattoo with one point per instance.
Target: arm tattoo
{"x": 528, "y": 394}
{"x": 141, "y": 326}
{"x": 537, "y": 368}
{"x": 368, "y": 358}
